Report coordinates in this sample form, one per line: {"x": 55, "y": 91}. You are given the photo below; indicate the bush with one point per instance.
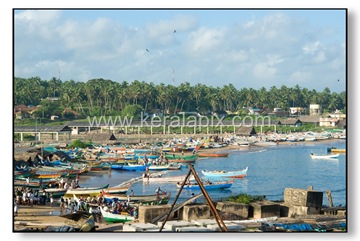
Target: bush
{"x": 245, "y": 198}
{"x": 78, "y": 143}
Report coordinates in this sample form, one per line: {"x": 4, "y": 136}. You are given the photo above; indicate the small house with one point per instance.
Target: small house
{"x": 246, "y": 131}
{"x": 290, "y": 122}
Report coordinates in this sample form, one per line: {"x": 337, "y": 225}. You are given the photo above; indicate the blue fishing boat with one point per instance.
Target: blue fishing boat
{"x": 135, "y": 167}
{"x": 225, "y": 174}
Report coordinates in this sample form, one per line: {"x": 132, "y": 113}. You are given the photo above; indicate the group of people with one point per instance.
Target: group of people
{"x": 65, "y": 184}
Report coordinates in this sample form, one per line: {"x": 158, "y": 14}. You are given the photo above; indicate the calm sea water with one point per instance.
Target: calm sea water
{"x": 271, "y": 170}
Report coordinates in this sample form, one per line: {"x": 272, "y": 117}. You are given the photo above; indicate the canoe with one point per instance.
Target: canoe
{"x": 159, "y": 167}
{"x": 172, "y": 157}
{"x": 225, "y": 174}
{"x": 143, "y": 199}
{"x": 56, "y": 192}
{"x": 213, "y": 154}
{"x": 115, "y": 218}
{"x": 135, "y": 167}
{"x": 118, "y": 189}
{"x": 159, "y": 178}
{"x": 331, "y": 156}
{"x": 335, "y": 150}
{"x": 180, "y": 160}
{"x": 207, "y": 186}
{"x": 90, "y": 191}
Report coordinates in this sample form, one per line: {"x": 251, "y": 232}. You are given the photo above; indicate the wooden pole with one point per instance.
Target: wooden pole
{"x": 328, "y": 194}
{"x": 208, "y": 199}
{"x": 176, "y": 198}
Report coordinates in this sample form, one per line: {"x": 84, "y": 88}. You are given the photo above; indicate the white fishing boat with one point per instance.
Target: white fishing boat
{"x": 330, "y": 156}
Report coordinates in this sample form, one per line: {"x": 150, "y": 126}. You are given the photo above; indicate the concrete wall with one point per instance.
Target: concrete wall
{"x": 264, "y": 209}
{"x": 235, "y": 208}
{"x": 302, "y": 197}
{"x": 195, "y": 211}
{"x": 148, "y": 213}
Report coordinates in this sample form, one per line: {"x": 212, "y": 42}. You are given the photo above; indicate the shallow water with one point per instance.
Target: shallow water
{"x": 271, "y": 170}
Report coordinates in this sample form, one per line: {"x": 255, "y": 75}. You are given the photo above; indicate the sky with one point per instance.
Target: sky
{"x": 248, "y": 48}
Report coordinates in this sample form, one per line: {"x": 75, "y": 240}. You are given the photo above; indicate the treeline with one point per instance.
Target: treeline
{"x": 107, "y": 97}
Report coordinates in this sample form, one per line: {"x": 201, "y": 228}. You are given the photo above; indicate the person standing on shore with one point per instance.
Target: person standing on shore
{"x": 16, "y": 208}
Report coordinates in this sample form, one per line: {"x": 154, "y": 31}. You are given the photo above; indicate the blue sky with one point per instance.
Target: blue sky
{"x": 246, "y": 48}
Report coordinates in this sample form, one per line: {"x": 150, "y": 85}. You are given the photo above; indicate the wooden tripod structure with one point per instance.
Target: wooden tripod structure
{"x": 206, "y": 195}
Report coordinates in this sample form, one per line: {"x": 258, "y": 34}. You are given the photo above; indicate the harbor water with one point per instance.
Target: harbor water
{"x": 271, "y": 170}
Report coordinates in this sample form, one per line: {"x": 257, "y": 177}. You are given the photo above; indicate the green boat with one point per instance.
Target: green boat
{"x": 115, "y": 218}
{"x": 172, "y": 157}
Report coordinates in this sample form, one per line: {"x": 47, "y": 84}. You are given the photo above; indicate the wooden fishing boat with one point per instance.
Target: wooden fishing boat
{"x": 117, "y": 166}
{"x": 335, "y": 150}
{"x": 174, "y": 157}
{"x": 89, "y": 191}
{"x": 115, "y": 218}
{"x": 207, "y": 185}
{"x": 56, "y": 192}
{"x": 331, "y": 156}
{"x": 135, "y": 167}
{"x": 174, "y": 166}
{"x": 154, "y": 178}
{"x": 159, "y": 167}
{"x": 182, "y": 161}
{"x": 121, "y": 188}
{"x": 213, "y": 154}
{"x": 143, "y": 199}
{"x": 225, "y": 174}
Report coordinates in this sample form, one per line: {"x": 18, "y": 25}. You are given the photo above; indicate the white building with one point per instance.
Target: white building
{"x": 315, "y": 109}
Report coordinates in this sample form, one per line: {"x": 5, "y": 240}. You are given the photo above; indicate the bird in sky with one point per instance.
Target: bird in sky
{"x": 338, "y": 80}
{"x": 174, "y": 31}
{"x": 147, "y": 50}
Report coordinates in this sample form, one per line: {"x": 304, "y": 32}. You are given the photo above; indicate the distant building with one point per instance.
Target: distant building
{"x": 290, "y": 122}
{"x": 329, "y": 122}
{"x": 297, "y": 110}
{"x": 315, "y": 110}
{"x": 186, "y": 113}
{"x": 310, "y": 119}
{"x": 220, "y": 113}
{"x": 337, "y": 114}
{"x": 279, "y": 112}
{"x": 246, "y": 131}
{"x": 254, "y": 111}
{"x": 154, "y": 113}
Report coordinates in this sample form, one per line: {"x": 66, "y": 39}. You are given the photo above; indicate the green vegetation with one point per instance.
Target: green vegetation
{"x": 79, "y": 144}
{"x": 71, "y": 99}
{"x": 245, "y": 198}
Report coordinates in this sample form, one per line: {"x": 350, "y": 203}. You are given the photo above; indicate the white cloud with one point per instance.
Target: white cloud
{"x": 310, "y": 48}
{"x": 204, "y": 40}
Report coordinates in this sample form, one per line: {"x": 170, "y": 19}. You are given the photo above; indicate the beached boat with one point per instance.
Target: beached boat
{"x": 135, "y": 167}
{"x": 159, "y": 167}
{"x": 56, "y": 192}
{"x": 207, "y": 185}
{"x": 182, "y": 161}
{"x": 154, "y": 178}
{"x": 121, "y": 188}
{"x": 225, "y": 174}
{"x": 213, "y": 154}
{"x": 90, "y": 191}
{"x": 331, "y": 156}
{"x": 172, "y": 157}
{"x": 154, "y": 199}
{"x": 115, "y": 218}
